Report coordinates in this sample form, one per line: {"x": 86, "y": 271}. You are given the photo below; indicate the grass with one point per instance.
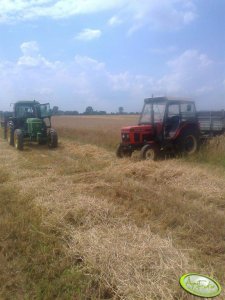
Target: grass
{"x": 123, "y": 229}
{"x": 160, "y": 195}
{"x": 33, "y": 257}
{"x": 212, "y": 152}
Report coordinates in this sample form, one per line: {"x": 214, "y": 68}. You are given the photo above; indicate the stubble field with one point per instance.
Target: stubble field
{"x": 103, "y": 131}
{"x": 82, "y": 224}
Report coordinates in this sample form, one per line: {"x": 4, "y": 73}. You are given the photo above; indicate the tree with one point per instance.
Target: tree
{"x": 121, "y": 110}
{"x": 71, "y": 112}
{"x": 89, "y": 110}
{"x": 55, "y": 110}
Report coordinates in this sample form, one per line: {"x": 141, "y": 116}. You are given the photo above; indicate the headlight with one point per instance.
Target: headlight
{"x": 125, "y": 137}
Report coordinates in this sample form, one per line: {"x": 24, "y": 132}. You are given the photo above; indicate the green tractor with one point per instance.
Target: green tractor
{"x": 30, "y": 121}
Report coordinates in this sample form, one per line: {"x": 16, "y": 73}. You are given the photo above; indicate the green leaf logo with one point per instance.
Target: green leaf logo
{"x": 200, "y": 285}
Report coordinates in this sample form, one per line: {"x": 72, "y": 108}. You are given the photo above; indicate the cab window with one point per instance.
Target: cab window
{"x": 173, "y": 110}
{"x": 187, "y": 111}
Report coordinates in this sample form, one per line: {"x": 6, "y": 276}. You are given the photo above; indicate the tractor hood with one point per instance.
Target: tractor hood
{"x": 34, "y": 126}
{"x": 134, "y": 135}
{"x": 34, "y": 120}
{"x": 137, "y": 128}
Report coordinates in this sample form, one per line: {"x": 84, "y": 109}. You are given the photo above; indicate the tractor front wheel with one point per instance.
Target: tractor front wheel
{"x": 10, "y": 136}
{"x": 4, "y": 130}
{"x": 149, "y": 152}
{"x": 52, "y": 138}
{"x": 18, "y": 139}
{"x": 121, "y": 152}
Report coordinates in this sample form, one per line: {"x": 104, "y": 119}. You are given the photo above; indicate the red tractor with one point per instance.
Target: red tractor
{"x": 165, "y": 127}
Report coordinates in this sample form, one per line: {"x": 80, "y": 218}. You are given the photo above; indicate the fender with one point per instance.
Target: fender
{"x": 153, "y": 143}
{"x": 190, "y": 126}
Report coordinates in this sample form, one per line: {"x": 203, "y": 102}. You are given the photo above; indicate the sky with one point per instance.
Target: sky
{"x": 112, "y": 53}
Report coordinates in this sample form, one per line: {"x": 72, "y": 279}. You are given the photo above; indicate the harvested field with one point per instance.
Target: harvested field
{"x": 131, "y": 227}
{"x": 113, "y": 122}
{"x": 103, "y": 131}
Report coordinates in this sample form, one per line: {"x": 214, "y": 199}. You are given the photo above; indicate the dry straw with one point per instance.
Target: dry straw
{"x": 126, "y": 221}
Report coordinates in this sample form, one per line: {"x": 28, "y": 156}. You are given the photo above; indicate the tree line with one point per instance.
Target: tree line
{"x": 89, "y": 111}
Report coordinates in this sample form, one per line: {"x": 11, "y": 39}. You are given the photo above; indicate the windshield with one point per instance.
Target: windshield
{"x": 158, "y": 110}
{"x": 24, "y": 111}
{"x": 146, "y": 117}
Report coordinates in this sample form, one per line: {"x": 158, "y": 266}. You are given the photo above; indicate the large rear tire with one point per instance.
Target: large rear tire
{"x": 52, "y": 138}
{"x": 149, "y": 152}
{"x": 189, "y": 144}
{"x": 18, "y": 139}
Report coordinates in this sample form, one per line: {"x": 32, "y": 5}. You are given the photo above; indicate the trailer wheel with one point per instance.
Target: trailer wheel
{"x": 149, "y": 152}
{"x": 189, "y": 144}
{"x": 120, "y": 152}
{"x": 52, "y": 138}
{"x": 18, "y": 139}
{"x": 10, "y": 136}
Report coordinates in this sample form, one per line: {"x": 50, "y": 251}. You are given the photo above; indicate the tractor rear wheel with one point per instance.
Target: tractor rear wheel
{"x": 149, "y": 152}
{"x": 10, "y": 136}
{"x": 120, "y": 152}
{"x": 18, "y": 139}
{"x": 52, "y": 138}
{"x": 189, "y": 144}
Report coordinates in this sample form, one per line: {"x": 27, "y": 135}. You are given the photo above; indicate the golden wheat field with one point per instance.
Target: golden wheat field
{"x": 102, "y": 131}
{"x": 98, "y": 227}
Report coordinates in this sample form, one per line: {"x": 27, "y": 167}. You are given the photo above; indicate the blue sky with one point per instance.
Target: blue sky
{"x": 76, "y": 53}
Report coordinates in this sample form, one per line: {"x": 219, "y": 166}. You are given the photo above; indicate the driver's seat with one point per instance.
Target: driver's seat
{"x": 172, "y": 125}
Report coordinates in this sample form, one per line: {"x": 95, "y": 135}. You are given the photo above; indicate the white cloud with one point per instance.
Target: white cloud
{"x": 163, "y": 14}
{"x": 86, "y": 81}
{"x": 88, "y": 34}
{"x": 86, "y": 62}
{"x": 188, "y": 17}
{"x": 66, "y": 8}
{"x": 29, "y": 48}
{"x": 189, "y": 59}
{"x": 191, "y": 74}
{"x": 75, "y": 85}
{"x": 25, "y": 9}
{"x": 157, "y": 15}
{"x": 31, "y": 56}
{"x": 115, "y": 21}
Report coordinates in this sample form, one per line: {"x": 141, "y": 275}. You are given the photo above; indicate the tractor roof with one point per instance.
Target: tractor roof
{"x": 166, "y": 100}
{"x": 27, "y": 102}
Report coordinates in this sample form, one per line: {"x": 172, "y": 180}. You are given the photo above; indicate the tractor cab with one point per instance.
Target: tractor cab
{"x": 166, "y": 116}
{"x": 25, "y": 109}
{"x": 31, "y": 109}
{"x": 160, "y": 124}
{"x": 26, "y": 112}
